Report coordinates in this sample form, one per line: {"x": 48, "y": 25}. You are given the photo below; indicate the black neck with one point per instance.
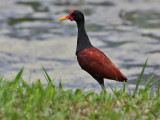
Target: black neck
{"x": 82, "y": 40}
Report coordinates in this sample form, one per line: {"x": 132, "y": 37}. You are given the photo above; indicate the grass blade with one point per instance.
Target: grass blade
{"x": 158, "y": 88}
{"x": 47, "y": 76}
{"x": 149, "y": 86}
{"x": 115, "y": 86}
{"x": 140, "y": 78}
{"x": 149, "y": 81}
{"x": 124, "y": 87}
{"x": 115, "y": 93}
{"x": 1, "y": 78}
{"x": 60, "y": 85}
{"x": 18, "y": 77}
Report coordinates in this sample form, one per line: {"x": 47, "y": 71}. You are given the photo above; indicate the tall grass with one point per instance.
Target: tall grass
{"x": 19, "y": 100}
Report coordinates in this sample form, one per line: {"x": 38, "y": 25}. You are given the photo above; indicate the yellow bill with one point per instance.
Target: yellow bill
{"x": 63, "y": 18}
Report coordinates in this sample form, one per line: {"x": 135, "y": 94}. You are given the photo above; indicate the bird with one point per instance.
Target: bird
{"x": 91, "y": 59}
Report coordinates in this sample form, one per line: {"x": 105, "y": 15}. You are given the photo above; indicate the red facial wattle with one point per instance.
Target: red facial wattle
{"x": 68, "y": 16}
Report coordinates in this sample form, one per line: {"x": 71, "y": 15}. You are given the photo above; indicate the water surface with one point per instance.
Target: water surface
{"x": 126, "y": 31}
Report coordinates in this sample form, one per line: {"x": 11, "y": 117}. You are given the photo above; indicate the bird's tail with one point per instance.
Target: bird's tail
{"x": 123, "y": 78}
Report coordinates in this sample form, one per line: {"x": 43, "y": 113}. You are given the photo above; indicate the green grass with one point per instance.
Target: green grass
{"x": 19, "y": 100}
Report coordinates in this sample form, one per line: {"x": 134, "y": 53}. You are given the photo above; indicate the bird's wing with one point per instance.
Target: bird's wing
{"x": 96, "y": 62}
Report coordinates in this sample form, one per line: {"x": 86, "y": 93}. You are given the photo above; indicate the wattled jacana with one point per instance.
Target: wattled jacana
{"x": 92, "y": 60}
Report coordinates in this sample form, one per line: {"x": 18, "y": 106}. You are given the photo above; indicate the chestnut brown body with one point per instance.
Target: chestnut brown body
{"x": 96, "y": 62}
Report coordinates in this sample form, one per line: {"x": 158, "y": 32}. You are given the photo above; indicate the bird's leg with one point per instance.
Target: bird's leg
{"x": 103, "y": 87}
{"x": 100, "y": 80}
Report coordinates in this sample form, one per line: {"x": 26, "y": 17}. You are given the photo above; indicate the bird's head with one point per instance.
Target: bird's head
{"x": 75, "y": 15}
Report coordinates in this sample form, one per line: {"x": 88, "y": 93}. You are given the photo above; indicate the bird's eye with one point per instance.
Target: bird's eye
{"x": 73, "y": 15}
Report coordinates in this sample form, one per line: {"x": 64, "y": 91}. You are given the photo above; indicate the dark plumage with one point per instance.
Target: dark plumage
{"x": 92, "y": 60}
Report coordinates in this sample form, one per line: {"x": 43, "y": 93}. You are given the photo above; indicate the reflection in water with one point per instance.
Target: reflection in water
{"x": 31, "y": 36}
{"x": 37, "y": 6}
{"x": 144, "y": 19}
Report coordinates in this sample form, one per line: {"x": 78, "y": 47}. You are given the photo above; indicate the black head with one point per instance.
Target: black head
{"x": 82, "y": 40}
{"x": 75, "y": 15}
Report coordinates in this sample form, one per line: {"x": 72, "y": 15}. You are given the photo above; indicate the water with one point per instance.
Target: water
{"x": 126, "y": 31}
